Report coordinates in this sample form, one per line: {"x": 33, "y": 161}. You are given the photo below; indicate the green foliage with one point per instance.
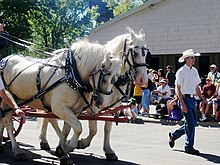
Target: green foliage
{"x": 122, "y": 6}
{"x": 14, "y": 17}
{"x": 47, "y": 22}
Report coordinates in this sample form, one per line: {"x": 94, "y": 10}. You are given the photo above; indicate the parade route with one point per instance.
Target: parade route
{"x": 134, "y": 144}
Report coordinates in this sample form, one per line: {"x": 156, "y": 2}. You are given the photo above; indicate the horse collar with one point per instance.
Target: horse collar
{"x": 72, "y": 74}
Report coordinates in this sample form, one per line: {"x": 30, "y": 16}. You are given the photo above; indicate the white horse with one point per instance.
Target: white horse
{"x": 87, "y": 68}
{"x": 132, "y": 51}
{"x": 136, "y": 43}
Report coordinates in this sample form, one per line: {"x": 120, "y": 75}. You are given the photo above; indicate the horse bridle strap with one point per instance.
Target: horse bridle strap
{"x": 40, "y": 94}
{"x": 133, "y": 55}
{"x": 122, "y": 80}
{"x": 103, "y": 72}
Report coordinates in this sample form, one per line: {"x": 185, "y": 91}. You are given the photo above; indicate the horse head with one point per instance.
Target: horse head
{"x": 134, "y": 54}
{"x": 103, "y": 79}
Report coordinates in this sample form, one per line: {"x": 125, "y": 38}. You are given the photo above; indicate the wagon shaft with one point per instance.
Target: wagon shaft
{"x": 107, "y": 115}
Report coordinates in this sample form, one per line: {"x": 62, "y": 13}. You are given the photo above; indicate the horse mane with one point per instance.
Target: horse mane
{"x": 113, "y": 44}
{"x": 92, "y": 52}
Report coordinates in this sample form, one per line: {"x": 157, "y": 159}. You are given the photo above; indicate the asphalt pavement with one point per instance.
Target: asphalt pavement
{"x": 135, "y": 144}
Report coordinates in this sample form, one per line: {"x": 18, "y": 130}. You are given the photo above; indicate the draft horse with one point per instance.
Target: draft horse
{"x": 85, "y": 71}
{"x": 134, "y": 57}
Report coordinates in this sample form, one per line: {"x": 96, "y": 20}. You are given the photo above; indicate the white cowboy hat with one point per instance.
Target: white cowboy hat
{"x": 163, "y": 81}
{"x": 188, "y": 53}
{"x": 213, "y": 66}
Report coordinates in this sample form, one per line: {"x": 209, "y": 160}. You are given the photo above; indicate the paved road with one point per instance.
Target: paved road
{"x": 145, "y": 144}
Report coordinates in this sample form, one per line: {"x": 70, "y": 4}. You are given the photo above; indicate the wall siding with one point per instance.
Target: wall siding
{"x": 172, "y": 26}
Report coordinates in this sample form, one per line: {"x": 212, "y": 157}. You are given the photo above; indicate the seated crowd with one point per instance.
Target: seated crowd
{"x": 160, "y": 92}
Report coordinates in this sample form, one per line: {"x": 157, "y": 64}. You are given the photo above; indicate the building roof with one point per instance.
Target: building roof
{"x": 170, "y": 26}
{"x": 127, "y": 14}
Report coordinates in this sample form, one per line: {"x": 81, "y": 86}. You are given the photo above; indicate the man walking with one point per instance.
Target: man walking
{"x": 187, "y": 80}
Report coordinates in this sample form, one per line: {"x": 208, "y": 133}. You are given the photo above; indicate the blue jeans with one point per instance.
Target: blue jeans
{"x": 145, "y": 99}
{"x": 189, "y": 124}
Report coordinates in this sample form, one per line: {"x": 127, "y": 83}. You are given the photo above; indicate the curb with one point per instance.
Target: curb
{"x": 171, "y": 122}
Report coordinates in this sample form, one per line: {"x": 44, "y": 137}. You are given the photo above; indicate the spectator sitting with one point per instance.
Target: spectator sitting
{"x": 216, "y": 103}
{"x": 132, "y": 112}
{"x": 163, "y": 91}
{"x": 172, "y": 103}
{"x": 214, "y": 74}
{"x": 207, "y": 93}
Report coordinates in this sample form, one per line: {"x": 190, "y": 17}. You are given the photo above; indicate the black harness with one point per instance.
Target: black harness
{"x": 71, "y": 77}
{"x": 127, "y": 78}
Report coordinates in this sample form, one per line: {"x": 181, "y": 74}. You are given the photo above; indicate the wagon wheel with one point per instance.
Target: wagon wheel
{"x": 17, "y": 125}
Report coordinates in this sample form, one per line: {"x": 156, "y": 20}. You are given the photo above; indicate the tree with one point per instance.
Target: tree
{"x": 122, "y": 6}
{"x": 14, "y": 17}
{"x": 54, "y": 20}
{"x": 105, "y": 13}
{"x": 47, "y": 23}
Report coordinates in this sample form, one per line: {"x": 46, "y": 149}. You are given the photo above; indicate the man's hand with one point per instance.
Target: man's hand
{"x": 21, "y": 114}
{"x": 184, "y": 108}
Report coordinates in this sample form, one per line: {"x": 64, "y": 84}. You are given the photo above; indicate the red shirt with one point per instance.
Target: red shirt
{"x": 208, "y": 91}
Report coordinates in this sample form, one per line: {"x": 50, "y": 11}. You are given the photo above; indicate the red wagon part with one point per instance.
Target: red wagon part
{"x": 110, "y": 114}
{"x": 17, "y": 126}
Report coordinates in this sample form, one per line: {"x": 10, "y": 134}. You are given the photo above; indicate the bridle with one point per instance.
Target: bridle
{"x": 127, "y": 78}
{"x": 103, "y": 72}
{"x": 131, "y": 51}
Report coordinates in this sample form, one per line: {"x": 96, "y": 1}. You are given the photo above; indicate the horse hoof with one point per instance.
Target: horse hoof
{"x": 59, "y": 152}
{"x": 111, "y": 157}
{"x": 2, "y": 150}
{"x": 80, "y": 145}
{"x": 66, "y": 161}
{"x": 20, "y": 157}
{"x": 44, "y": 146}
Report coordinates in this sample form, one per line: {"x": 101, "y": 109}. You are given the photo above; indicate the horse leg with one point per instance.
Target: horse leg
{"x": 19, "y": 154}
{"x": 85, "y": 142}
{"x": 43, "y": 133}
{"x": 1, "y": 136}
{"x": 109, "y": 152}
{"x": 68, "y": 116}
{"x": 65, "y": 133}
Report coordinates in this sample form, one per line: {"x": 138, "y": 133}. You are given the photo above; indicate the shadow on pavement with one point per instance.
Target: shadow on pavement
{"x": 208, "y": 157}
{"x": 78, "y": 158}
{"x": 93, "y": 159}
{"x": 32, "y": 158}
{"x": 211, "y": 158}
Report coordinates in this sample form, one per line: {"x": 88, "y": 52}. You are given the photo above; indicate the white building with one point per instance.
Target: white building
{"x": 172, "y": 26}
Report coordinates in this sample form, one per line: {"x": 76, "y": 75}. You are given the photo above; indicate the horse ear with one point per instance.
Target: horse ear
{"x": 132, "y": 34}
{"x": 107, "y": 62}
{"x": 142, "y": 34}
{"x": 123, "y": 67}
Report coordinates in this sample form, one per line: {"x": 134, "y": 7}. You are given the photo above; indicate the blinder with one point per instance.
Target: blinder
{"x": 103, "y": 72}
{"x": 134, "y": 55}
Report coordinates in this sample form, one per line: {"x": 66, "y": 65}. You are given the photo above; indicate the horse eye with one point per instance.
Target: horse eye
{"x": 104, "y": 79}
{"x": 113, "y": 80}
{"x": 136, "y": 48}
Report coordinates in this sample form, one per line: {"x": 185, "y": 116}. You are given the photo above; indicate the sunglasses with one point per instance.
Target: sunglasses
{"x": 192, "y": 57}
